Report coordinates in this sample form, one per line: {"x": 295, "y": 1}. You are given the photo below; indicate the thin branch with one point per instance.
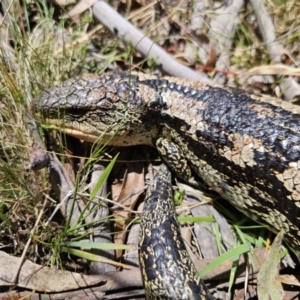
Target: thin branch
{"x": 222, "y": 31}
{"x": 289, "y": 86}
{"x": 22, "y": 258}
{"x": 126, "y": 31}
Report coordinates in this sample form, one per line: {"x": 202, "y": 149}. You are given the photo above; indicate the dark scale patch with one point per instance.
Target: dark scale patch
{"x": 233, "y": 115}
{"x": 136, "y": 102}
{"x": 127, "y": 87}
{"x": 159, "y": 102}
{"x": 172, "y": 85}
{"x": 186, "y": 89}
{"x": 132, "y": 95}
{"x": 168, "y": 238}
{"x": 167, "y": 252}
{"x": 193, "y": 92}
{"x": 292, "y": 153}
{"x": 260, "y": 175}
{"x": 222, "y": 139}
{"x": 157, "y": 85}
{"x": 227, "y": 113}
{"x": 251, "y": 175}
{"x": 164, "y": 82}
{"x": 229, "y": 107}
{"x": 255, "y": 193}
{"x": 126, "y": 76}
{"x": 155, "y": 201}
{"x": 166, "y": 247}
{"x": 178, "y": 87}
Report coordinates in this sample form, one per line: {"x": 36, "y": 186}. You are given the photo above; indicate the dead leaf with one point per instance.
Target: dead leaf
{"x": 268, "y": 281}
{"x": 290, "y": 279}
{"x": 273, "y": 70}
{"x": 79, "y": 8}
{"x": 133, "y": 182}
{"x": 35, "y": 277}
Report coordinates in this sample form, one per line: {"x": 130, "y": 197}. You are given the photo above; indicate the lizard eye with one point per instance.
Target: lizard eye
{"x": 73, "y": 112}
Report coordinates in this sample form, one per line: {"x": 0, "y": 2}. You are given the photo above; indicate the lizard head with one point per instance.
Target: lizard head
{"x": 97, "y": 108}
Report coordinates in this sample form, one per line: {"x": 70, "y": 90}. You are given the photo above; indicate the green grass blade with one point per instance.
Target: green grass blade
{"x": 103, "y": 178}
{"x": 233, "y": 270}
{"x": 231, "y": 254}
{"x": 98, "y": 245}
{"x": 196, "y": 219}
